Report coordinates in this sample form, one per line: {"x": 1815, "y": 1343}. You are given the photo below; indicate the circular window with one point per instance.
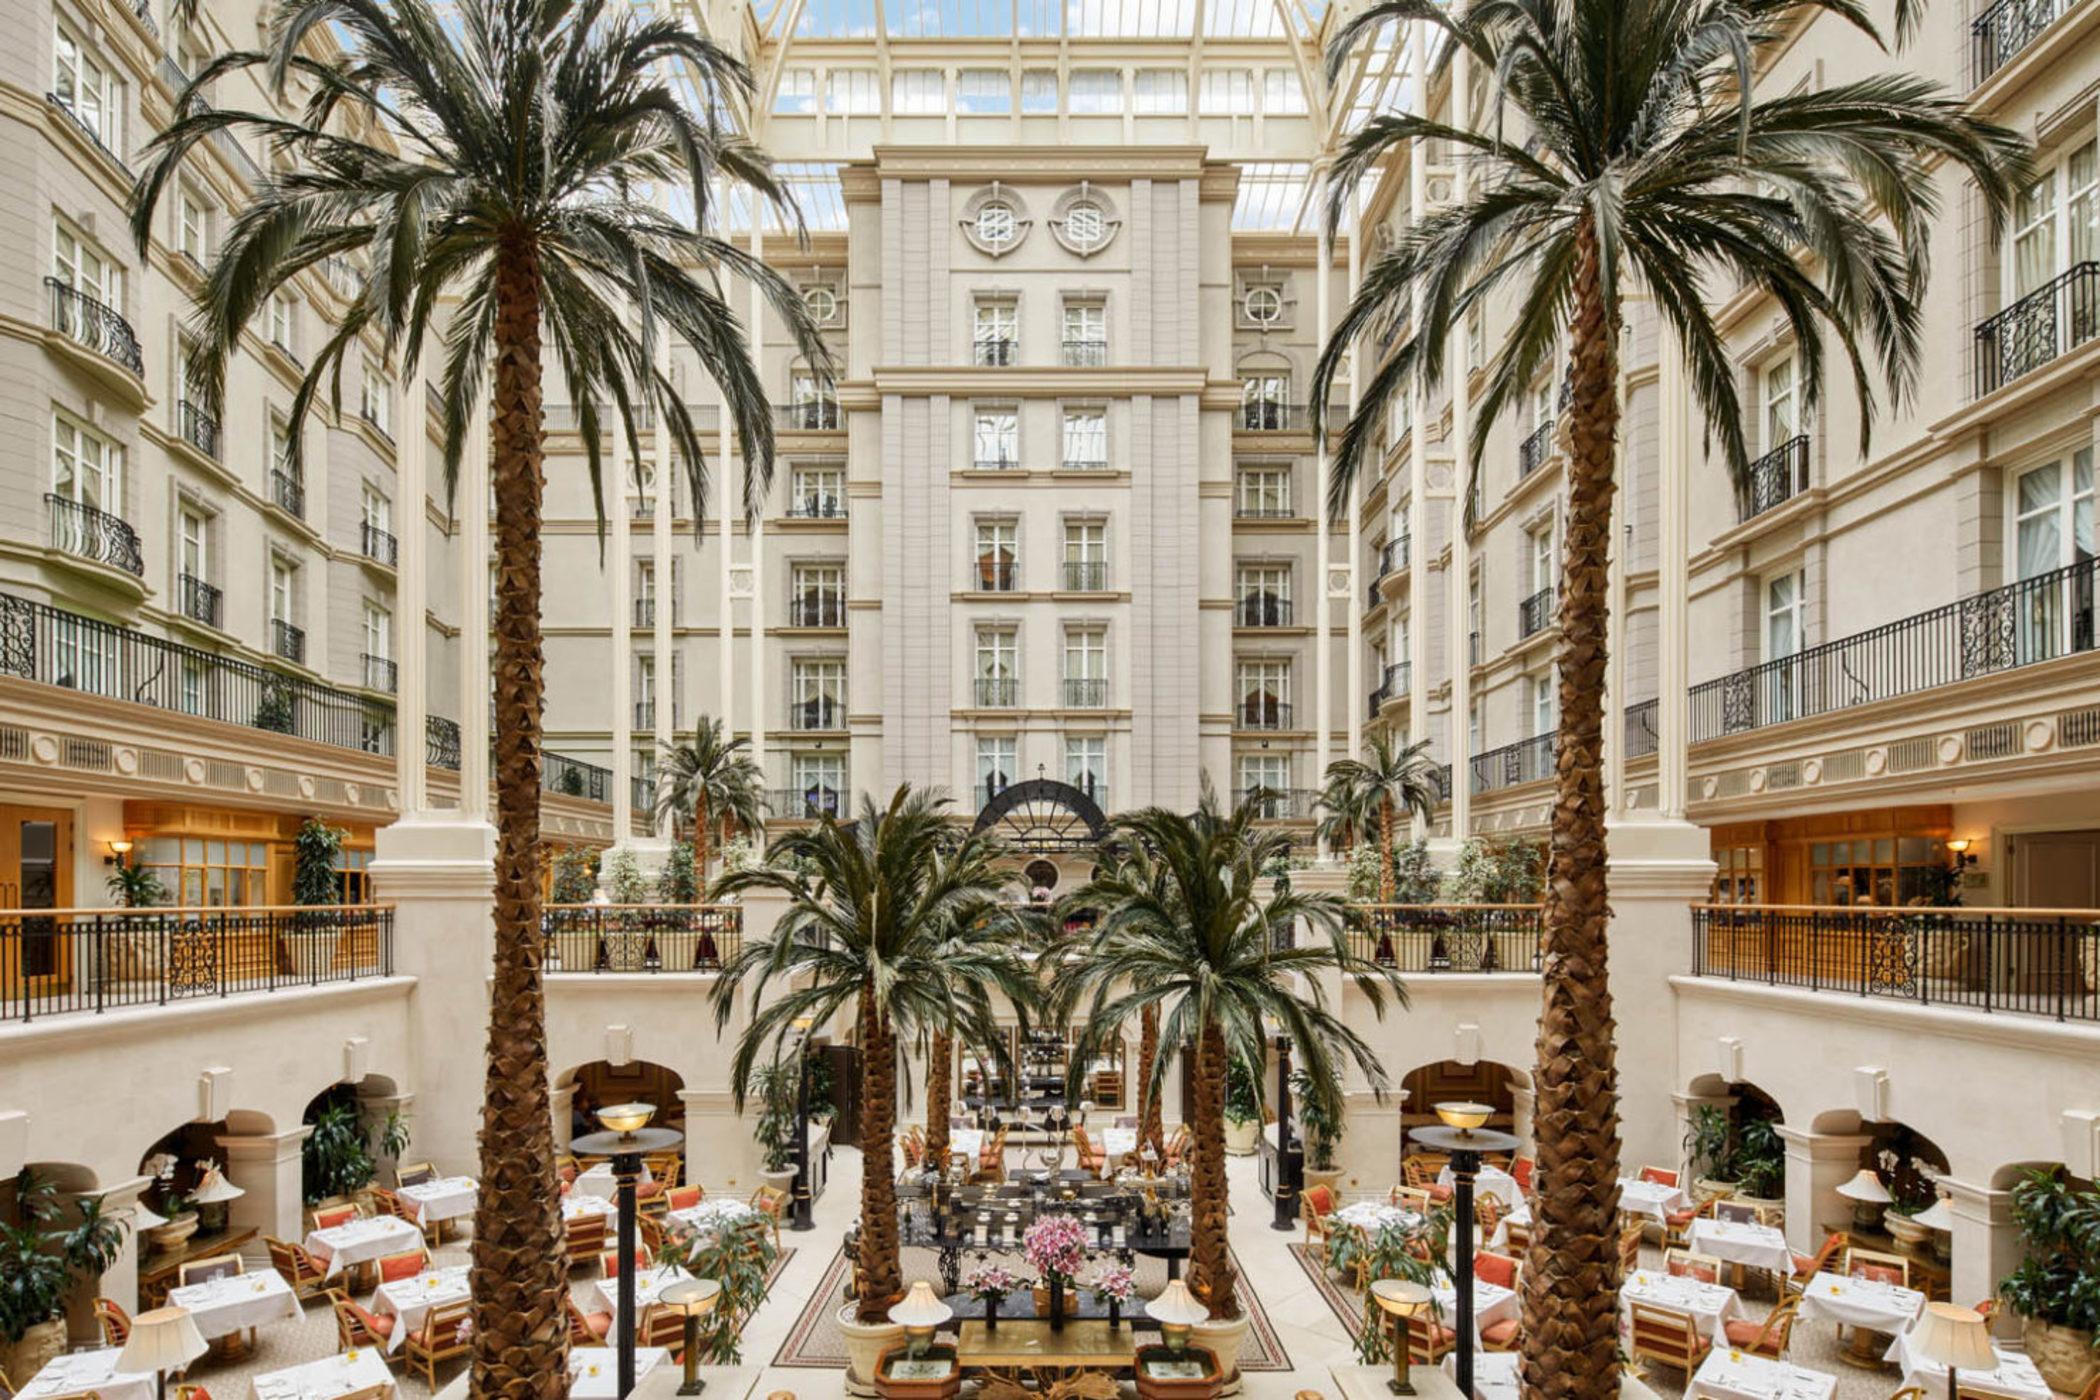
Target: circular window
{"x": 995, "y": 225}
{"x": 1264, "y": 305}
{"x": 1042, "y": 875}
{"x": 1085, "y": 226}
{"x": 823, "y": 304}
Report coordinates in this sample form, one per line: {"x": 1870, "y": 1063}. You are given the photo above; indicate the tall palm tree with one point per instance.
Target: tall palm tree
{"x": 715, "y": 783}
{"x": 483, "y": 165}
{"x": 911, "y": 922}
{"x": 1152, "y": 1124}
{"x": 1362, "y": 796}
{"x": 1187, "y": 923}
{"x": 940, "y": 1095}
{"x": 1646, "y": 157}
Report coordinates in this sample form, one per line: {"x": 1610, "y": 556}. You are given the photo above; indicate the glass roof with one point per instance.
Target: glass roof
{"x": 1078, "y": 19}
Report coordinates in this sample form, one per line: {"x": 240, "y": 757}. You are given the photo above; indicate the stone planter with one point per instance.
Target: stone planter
{"x": 782, "y": 1181}
{"x": 1240, "y": 1137}
{"x": 39, "y": 1345}
{"x": 1915, "y": 1239}
{"x": 164, "y": 1239}
{"x": 1224, "y": 1339}
{"x": 865, "y": 1344}
{"x": 1710, "y": 1188}
{"x": 2064, "y": 1355}
{"x": 1331, "y": 1179}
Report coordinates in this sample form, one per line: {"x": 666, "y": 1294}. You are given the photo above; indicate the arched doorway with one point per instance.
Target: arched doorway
{"x": 1043, "y": 817}
{"x": 600, "y": 1083}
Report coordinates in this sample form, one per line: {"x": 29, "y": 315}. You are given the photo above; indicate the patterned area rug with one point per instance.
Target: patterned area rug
{"x": 815, "y": 1341}
{"x": 1347, "y": 1304}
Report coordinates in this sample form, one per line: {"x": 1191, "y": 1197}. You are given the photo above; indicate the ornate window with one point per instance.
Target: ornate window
{"x": 1083, "y": 221}
{"x": 995, "y": 221}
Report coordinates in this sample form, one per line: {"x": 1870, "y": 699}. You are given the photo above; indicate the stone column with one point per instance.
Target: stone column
{"x": 1656, "y": 870}
{"x": 759, "y": 586}
{"x": 561, "y": 1101}
{"x": 1987, "y": 1245}
{"x": 1522, "y": 1100}
{"x": 1356, "y": 694}
{"x": 666, "y": 599}
{"x": 1417, "y": 657}
{"x": 1816, "y": 1165}
{"x": 412, "y": 631}
{"x": 1459, "y": 581}
{"x": 1369, "y": 1155}
{"x": 1687, "y": 1105}
{"x": 120, "y": 1281}
{"x": 1323, "y": 552}
{"x": 267, "y": 1167}
{"x": 721, "y": 1152}
{"x": 1672, "y": 582}
{"x": 621, "y": 565}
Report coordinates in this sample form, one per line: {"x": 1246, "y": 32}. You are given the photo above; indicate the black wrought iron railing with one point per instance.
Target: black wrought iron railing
{"x": 1271, "y": 416}
{"x": 288, "y": 493}
{"x": 288, "y": 640}
{"x": 820, "y": 608}
{"x": 1447, "y": 937}
{"x": 1278, "y": 804}
{"x": 1262, "y": 509}
{"x": 2035, "y": 962}
{"x": 995, "y": 461}
{"x": 816, "y": 506}
{"x": 1086, "y": 575}
{"x": 1394, "y": 557}
{"x": 997, "y": 692}
{"x": 2037, "y": 619}
{"x": 1084, "y": 462}
{"x": 198, "y": 428}
{"x": 1533, "y": 451}
{"x": 199, "y": 601}
{"x": 1262, "y": 610}
{"x": 441, "y": 742}
{"x": 86, "y": 321}
{"x": 1440, "y": 782}
{"x": 659, "y": 938}
{"x": 1998, "y": 34}
{"x": 86, "y": 128}
{"x": 805, "y": 803}
{"x": 1777, "y": 477}
{"x": 1392, "y": 684}
{"x": 59, "y": 961}
{"x": 1535, "y": 614}
{"x": 995, "y": 352}
{"x": 1086, "y": 354}
{"x": 378, "y": 545}
{"x": 810, "y": 416}
{"x": 1526, "y": 761}
{"x": 572, "y": 777}
{"x": 1085, "y": 692}
{"x": 1262, "y": 711}
{"x": 2046, "y": 323}
{"x": 816, "y": 713}
{"x": 88, "y": 533}
{"x": 1642, "y": 737}
{"x": 381, "y": 673}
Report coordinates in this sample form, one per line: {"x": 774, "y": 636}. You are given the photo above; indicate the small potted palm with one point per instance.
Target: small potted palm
{"x": 776, "y": 1087}
{"x": 1321, "y": 1126}
{"x": 1242, "y": 1109}
{"x": 41, "y": 1261}
{"x": 2056, "y": 1289}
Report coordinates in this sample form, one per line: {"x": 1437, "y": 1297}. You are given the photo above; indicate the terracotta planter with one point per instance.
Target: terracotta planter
{"x": 39, "y": 1345}
{"x": 2064, "y": 1355}
{"x": 865, "y": 1344}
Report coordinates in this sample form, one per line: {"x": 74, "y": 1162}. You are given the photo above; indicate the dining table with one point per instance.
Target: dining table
{"x": 447, "y": 1198}
{"x": 2015, "y": 1376}
{"x": 1709, "y": 1305}
{"x": 237, "y": 1302}
{"x": 330, "y": 1378}
{"x": 1861, "y": 1302}
{"x": 1652, "y": 1199}
{"x": 575, "y": 1207}
{"x": 412, "y": 1298}
{"x": 594, "y": 1372}
{"x": 359, "y": 1241}
{"x": 711, "y": 1214}
{"x": 80, "y": 1372}
{"x": 1489, "y": 1181}
{"x": 1491, "y": 1303}
{"x": 1728, "y": 1374}
{"x": 1520, "y": 1216}
{"x": 1742, "y": 1242}
{"x": 599, "y": 1181}
{"x": 964, "y": 1142}
{"x": 603, "y": 1295}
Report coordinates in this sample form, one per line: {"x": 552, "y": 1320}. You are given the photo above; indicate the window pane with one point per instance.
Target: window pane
{"x": 1162, "y": 90}
{"x": 1096, "y": 90}
{"x": 1039, "y": 90}
{"x": 986, "y": 92}
{"x": 918, "y": 92}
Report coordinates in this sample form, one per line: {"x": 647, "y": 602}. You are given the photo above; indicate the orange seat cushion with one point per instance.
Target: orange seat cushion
{"x": 329, "y": 1219}
{"x": 381, "y": 1324}
{"x": 1680, "y": 1218}
{"x": 1741, "y": 1331}
{"x": 1501, "y": 1333}
{"x": 648, "y": 1190}
{"x": 1441, "y": 1193}
{"x": 685, "y": 1198}
{"x": 399, "y": 1266}
{"x": 1320, "y": 1199}
{"x": 1878, "y": 1273}
{"x": 598, "y": 1323}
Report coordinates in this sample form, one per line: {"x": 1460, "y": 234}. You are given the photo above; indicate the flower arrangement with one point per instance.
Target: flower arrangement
{"x": 1056, "y": 1246}
{"x": 1113, "y": 1280}
{"x": 992, "y": 1282}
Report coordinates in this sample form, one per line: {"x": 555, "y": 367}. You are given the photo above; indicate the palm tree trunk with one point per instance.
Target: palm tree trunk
{"x": 1151, "y": 1122}
{"x": 940, "y": 1096}
{"x": 1571, "y": 1279}
{"x": 881, "y": 1270}
{"x": 1209, "y": 1190}
{"x": 519, "y": 1279}
{"x": 701, "y": 849}
{"x": 1388, "y": 872}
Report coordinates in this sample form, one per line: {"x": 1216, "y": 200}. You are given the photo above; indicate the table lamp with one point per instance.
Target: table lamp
{"x": 1400, "y": 1299}
{"x": 1868, "y": 1196}
{"x": 212, "y": 1196}
{"x": 163, "y": 1340}
{"x": 1176, "y": 1311}
{"x": 695, "y": 1298}
{"x": 626, "y": 1119}
{"x": 919, "y": 1314}
{"x": 1955, "y": 1337}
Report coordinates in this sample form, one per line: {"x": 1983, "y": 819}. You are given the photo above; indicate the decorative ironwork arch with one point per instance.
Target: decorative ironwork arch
{"x": 1042, "y": 816}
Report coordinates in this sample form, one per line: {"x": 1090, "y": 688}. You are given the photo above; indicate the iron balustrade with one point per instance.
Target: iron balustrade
{"x": 1000, "y": 463}
{"x": 1263, "y": 510}
{"x": 998, "y": 692}
{"x": 1998, "y": 34}
{"x": 810, "y": 416}
{"x": 2038, "y": 327}
{"x": 198, "y": 428}
{"x": 85, "y": 321}
{"x": 381, "y": 673}
{"x": 1085, "y": 692}
{"x": 1262, "y": 610}
{"x": 56, "y": 961}
{"x": 2035, "y": 962}
{"x": 1086, "y": 464}
{"x": 816, "y": 506}
{"x": 995, "y": 352}
{"x": 1278, "y": 804}
{"x": 288, "y": 640}
{"x": 1439, "y": 779}
{"x": 288, "y": 493}
{"x": 1777, "y": 477}
{"x": 1086, "y": 575}
{"x": 658, "y": 938}
{"x": 1438, "y": 938}
{"x": 1270, "y": 416}
{"x": 199, "y": 601}
{"x": 816, "y": 713}
{"x": 817, "y": 609}
{"x": 1526, "y": 761}
{"x": 90, "y": 533}
{"x": 1394, "y": 557}
{"x": 378, "y": 545}
{"x": 1642, "y": 737}
{"x": 86, "y": 128}
{"x": 1374, "y": 594}
{"x": 1535, "y": 614}
{"x": 441, "y": 742}
{"x": 1262, "y": 711}
{"x": 144, "y": 10}
{"x": 2035, "y": 620}
{"x": 1392, "y": 684}
{"x": 1535, "y": 449}
{"x": 1086, "y": 354}
{"x": 572, "y": 777}
{"x": 804, "y": 803}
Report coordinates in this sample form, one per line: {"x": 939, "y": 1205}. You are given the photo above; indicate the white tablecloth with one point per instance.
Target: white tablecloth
{"x": 411, "y": 1299}
{"x": 604, "y": 1294}
{"x": 594, "y": 1372}
{"x": 599, "y": 1181}
{"x": 964, "y": 1142}
{"x": 1492, "y": 1181}
{"x": 1373, "y": 1216}
{"x": 447, "y": 1199}
{"x": 1495, "y": 1377}
{"x": 1708, "y": 1304}
{"x": 1499, "y": 1241}
{"x": 711, "y": 1214}
{"x": 88, "y": 1370}
{"x": 1759, "y": 1246}
{"x": 1118, "y": 1143}
{"x": 1740, "y": 1375}
{"x": 228, "y": 1305}
{"x": 326, "y": 1379}
{"x": 2015, "y": 1377}
{"x": 360, "y": 1240}
{"x": 575, "y": 1207}
{"x": 1858, "y": 1302}
{"x": 1491, "y": 1303}
{"x": 1649, "y": 1198}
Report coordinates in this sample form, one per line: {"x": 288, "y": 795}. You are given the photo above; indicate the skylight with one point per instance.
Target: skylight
{"x": 1271, "y": 194}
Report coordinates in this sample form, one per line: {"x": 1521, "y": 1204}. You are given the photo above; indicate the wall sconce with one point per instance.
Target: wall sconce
{"x": 1961, "y": 849}
{"x": 118, "y": 849}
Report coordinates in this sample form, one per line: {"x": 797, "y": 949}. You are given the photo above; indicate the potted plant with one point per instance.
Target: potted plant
{"x": 738, "y": 1255}
{"x": 41, "y": 1261}
{"x": 2056, "y": 1289}
{"x": 1114, "y": 1284}
{"x": 1322, "y": 1128}
{"x": 776, "y": 1087}
{"x": 1760, "y": 1165}
{"x": 1911, "y": 1191}
{"x": 990, "y": 1283}
{"x": 316, "y": 852}
{"x": 1397, "y": 1252}
{"x": 1709, "y": 1150}
{"x": 335, "y": 1159}
{"x": 1056, "y": 1246}
{"x": 1242, "y": 1108}
{"x": 626, "y": 945}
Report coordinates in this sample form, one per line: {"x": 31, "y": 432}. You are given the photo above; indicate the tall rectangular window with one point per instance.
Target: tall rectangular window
{"x": 1086, "y": 439}
{"x": 1086, "y": 555}
{"x": 1086, "y": 665}
{"x": 817, "y": 595}
{"x": 918, "y": 92}
{"x": 1264, "y": 490}
{"x": 89, "y": 91}
{"x": 86, "y": 467}
{"x": 1095, "y": 92}
{"x": 997, "y": 440}
{"x": 195, "y": 545}
{"x": 284, "y": 590}
{"x": 998, "y": 666}
{"x": 1160, "y": 92}
{"x": 1781, "y": 421}
{"x": 1226, "y": 92}
{"x": 192, "y": 225}
{"x": 817, "y": 490}
{"x": 1086, "y": 764}
{"x": 1263, "y": 594}
{"x": 79, "y": 264}
{"x": 996, "y": 765}
{"x": 1039, "y": 91}
{"x": 998, "y": 561}
{"x": 819, "y": 686}
{"x": 1263, "y": 687}
{"x": 378, "y": 625}
{"x": 995, "y": 331}
{"x": 1085, "y": 332}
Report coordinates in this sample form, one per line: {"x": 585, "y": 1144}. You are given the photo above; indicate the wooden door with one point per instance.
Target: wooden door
{"x": 2056, "y": 870}
{"x": 844, "y": 1063}
{"x": 36, "y": 872}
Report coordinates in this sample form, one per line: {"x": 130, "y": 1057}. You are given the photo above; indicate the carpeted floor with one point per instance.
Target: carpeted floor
{"x": 814, "y": 1341}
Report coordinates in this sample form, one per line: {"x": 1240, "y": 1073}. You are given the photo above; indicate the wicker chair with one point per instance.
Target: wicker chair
{"x": 586, "y": 1329}
{"x": 1766, "y": 1338}
{"x": 447, "y": 1332}
{"x": 685, "y": 1197}
{"x": 770, "y": 1202}
{"x": 1807, "y": 1266}
{"x": 1412, "y": 1198}
{"x": 358, "y": 1326}
{"x": 1667, "y": 1336}
{"x": 1316, "y": 1205}
{"x": 1630, "y": 1237}
{"x": 307, "y": 1276}
{"x": 1685, "y": 1263}
{"x": 586, "y": 1238}
{"x": 1881, "y": 1268}
{"x": 113, "y": 1320}
{"x": 407, "y": 1264}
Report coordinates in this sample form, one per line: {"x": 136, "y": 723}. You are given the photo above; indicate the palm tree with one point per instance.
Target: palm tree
{"x": 1363, "y": 795}
{"x": 715, "y": 782}
{"x": 1646, "y": 156}
{"x": 481, "y": 166}
{"x": 1187, "y": 923}
{"x": 911, "y": 922}
{"x": 940, "y": 1095}
{"x": 1152, "y": 1121}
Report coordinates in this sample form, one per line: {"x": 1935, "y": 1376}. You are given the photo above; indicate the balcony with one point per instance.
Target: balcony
{"x": 1084, "y": 464}
{"x": 198, "y": 428}
{"x": 85, "y": 532}
{"x": 809, "y": 416}
{"x": 1642, "y": 737}
{"x": 1086, "y": 354}
{"x": 1263, "y": 508}
{"x": 997, "y": 692}
{"x": 805, "y": 803}
{"x": 1272, "y": 416}
{"x": 1535, "y": 614}
{"x": 1392, "y": 685}
{"x": 1998, "y": 35}
{"x": 2022, "y": 962}
{"x": 2037, "y": 328}
{"x": 381, "y": 673}
{"x": 1394, "y": 557}
{"x": 378, "y": 545}
{"x": 1526, "y": 761}
{"x": 1262, "y": 610}
{"x": 1086, "y": 692}
{"x": 2035, "y": 620}
{"x": 1777, "y": 477}
{"x": 288, "y": 641}
{"x": 994, "y": 352}
{"x": 662, "y": 938}
{"x": 92, "y": 960}
{"x": 441, "y": 742}
{"x": 1086, "y": 575}
{"x": 572, "y": 777}
{"x": 996, "y": 574}
{"x": 817, "y": 609}
{"x": 816, "y": 505}
{"x": 1001, "y": 460}
{"x": 86, "y": 321}
{"x": 1278, "y": 804}
{"x": 288, "y": 494}
{"x": 375, "y": 417}
{"x": 1534, "y": 450}
{"x": 1261, "y": 711}
{"x": 1447, "y": 937}
{"x": 85, "y": 128}
{"x": 198, "y": 600}
{"x": 818, "y": 712}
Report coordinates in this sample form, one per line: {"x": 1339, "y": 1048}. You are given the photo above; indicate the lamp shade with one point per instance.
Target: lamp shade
{"x": 165, "y": 1339}
{"x": 1176, "y": 1307}
{"x": 1865, "y": 1187}
{"x": 626, "y": 1117}
{"x": 1954, "y": 1336}
{"x": 921, "y": 1308}
{"x": 1936, "y": 1216}
{"x": 694, "y": 1297}
{"x": 145, "y": 1217}
{"x": 216, "y": 1189}
{"x": 1399, "y": 1296}
{"x": 1464, "y": 1116}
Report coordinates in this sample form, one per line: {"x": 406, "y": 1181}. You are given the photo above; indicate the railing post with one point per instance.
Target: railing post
{"x": 2063, "y": 942}
{"x": 1990, "y": 959}
{"x": 101, "y": 966}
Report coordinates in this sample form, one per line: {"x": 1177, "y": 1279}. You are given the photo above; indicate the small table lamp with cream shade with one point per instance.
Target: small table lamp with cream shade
{"x": 212, "y": 1197}
{"x": 1955, "y": 1337}
{"x": 1937, "y": 1217}
{"x": 1400, "y": 1299}
{"x": 162, "y": 1340}
{"x": 1869, "y": 1198}
{"x": 919, "y": 1314}
{"x": 1176, "y": 1311}
{"x": 694, "y": 1298}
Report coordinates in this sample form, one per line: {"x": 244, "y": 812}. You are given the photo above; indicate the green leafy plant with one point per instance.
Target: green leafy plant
{"x": 622, "y": 873}
{"x": 575, "y": 876}
{"x": 1242, "y": 1095}
{"x": 1403, "y": 1253}
{"x": 335, "y": 1157}
{"x": 570, "y": 783}
{"x": 739, "y": 1256}
{"x": 135, "y": 886}
{"x": 679, "y": 881}
{"x": 1319, "y": 1118}
{"x": 816, "y": 1086}
{"x": 392, "y": 1138}
{"x": 1709, "y": 1142}
{"x": 2059, "y": 1280}
{"x": 40, "y": 1258}
{"x": 315, "y": 851}
{"x": 775, "y": 1086}
{"x": 1496, "y": 872}
{"x": 275, "y": 710}
{"x": 1760, "y": 1160}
